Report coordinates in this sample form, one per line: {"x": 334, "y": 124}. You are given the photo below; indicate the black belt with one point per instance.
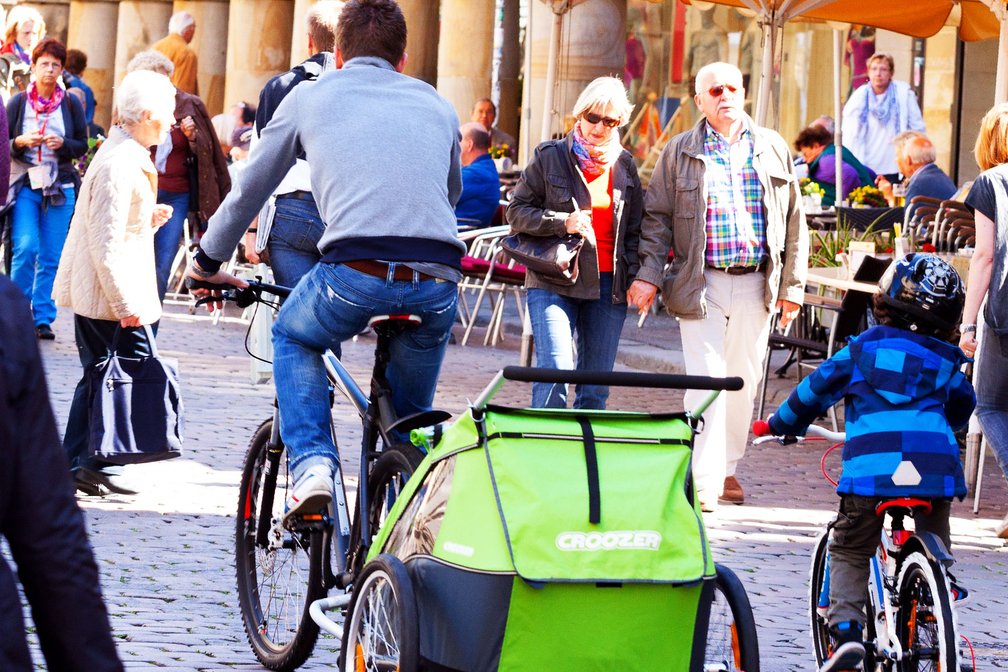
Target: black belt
{"x": 738, "y": 269}
{"x": 299, "y": 195}
{"x": 379, "y": 269}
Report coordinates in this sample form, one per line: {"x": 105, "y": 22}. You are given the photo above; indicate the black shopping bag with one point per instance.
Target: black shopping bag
{"x": 136, "y": 407}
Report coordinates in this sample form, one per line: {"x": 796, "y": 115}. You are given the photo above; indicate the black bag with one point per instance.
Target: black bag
{"x": 555, "y": 257}
{"x": 136, "y": 412}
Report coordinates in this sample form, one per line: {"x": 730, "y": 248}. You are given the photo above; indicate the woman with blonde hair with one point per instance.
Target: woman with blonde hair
{"x": 25, "y": 28}
{"x": 584, "y": 184}
{"x": 988, "y": 274}
{"x": 106, "y": 274}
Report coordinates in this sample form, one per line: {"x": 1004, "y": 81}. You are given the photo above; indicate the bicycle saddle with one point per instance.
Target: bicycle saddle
{"x": 393, "y": 322}
{"x": 908, "y": 503}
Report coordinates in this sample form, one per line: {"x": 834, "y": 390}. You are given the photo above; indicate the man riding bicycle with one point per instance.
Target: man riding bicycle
{"x": 383, "y": 151}
{"x": 905, "y": 396}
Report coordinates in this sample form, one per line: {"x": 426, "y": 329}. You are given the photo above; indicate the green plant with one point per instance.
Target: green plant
{"x": 827, "y": 245}
{"x": 810, "y": 188}
{"x": 500, "y": 151}
{"x": 868, "y": 195}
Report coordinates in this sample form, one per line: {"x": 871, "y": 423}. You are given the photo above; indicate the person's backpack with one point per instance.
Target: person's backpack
{"x": 14, "y": 75}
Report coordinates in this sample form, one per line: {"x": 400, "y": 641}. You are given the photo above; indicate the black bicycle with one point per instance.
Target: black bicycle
{"x": 282, "y": 569}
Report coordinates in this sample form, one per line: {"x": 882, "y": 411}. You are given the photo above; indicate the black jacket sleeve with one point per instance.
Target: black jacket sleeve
{"x": 40, "y": 518}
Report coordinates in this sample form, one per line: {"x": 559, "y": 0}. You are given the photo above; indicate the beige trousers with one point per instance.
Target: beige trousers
{"x": 731, "y": 341}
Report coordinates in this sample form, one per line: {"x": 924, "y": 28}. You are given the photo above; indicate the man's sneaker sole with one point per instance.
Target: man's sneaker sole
{"x": 848, "y": 656}
{"x": 313, "y": 503}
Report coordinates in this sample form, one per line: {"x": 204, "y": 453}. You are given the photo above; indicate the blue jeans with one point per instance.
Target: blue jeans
{"x": 556, "y": 322}
{"x": 168, "y": 238}
{"x": 331, "y": 304}
{"x": 293, "y": 240}
{"x": 37, "y": 237}
{"x": 991, "y": 384}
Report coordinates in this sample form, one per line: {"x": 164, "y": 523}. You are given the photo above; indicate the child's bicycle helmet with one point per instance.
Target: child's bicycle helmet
{"x": 923, "y": 291}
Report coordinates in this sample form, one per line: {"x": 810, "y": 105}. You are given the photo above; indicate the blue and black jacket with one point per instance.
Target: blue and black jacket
{"x": 904, "y": 397}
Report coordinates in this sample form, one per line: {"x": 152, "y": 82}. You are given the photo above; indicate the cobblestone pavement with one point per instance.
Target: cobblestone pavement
{"x": 166, "y": 554}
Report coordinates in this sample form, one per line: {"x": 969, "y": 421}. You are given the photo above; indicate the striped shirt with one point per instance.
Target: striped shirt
{"x": 736, "y": 225}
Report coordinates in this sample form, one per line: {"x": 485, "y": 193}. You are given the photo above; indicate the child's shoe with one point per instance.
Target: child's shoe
{"x": 849, "y": 652}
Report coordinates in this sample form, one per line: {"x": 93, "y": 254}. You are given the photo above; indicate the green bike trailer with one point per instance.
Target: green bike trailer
{"x": 556, "y": 539}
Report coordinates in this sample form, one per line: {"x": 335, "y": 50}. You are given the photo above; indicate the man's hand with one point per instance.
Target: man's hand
{"x": 788, "y": 311}
{"x": 641, "y": 294}
{"x": 885, "y": 186}
{"x": 218, "y": 278}
{"x": 162, "y": 213}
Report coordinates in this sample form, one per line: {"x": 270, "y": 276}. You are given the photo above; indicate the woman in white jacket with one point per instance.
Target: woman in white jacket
{"x": 106, "y": 272}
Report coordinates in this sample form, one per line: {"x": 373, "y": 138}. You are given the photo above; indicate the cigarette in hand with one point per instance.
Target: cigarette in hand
{"x": 643, "y": 316}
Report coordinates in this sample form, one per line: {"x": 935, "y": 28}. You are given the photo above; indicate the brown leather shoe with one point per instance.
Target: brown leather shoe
{"x": 732, "y": 491}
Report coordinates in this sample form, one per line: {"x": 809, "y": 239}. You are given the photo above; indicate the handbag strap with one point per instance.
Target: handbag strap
{"x": 568, "y": 162}
{"x": 114, "y": 348}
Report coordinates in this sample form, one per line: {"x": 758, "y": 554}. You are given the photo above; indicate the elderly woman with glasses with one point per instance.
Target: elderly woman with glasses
{"x": 584, "y": 184}
{"x": 48, "y": 132}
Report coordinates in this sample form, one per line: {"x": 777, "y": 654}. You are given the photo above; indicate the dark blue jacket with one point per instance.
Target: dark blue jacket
{"x": 930, "y": 181}
{"x": 278, "y": 87}
{"x": 904, "y": 397}
{"x": 480, "y": 191}
{"x": 40, "y": 519}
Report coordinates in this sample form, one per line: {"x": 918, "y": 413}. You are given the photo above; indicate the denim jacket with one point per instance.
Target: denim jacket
{"x": 542, "y": 202}
{"x": 675, "y": 218}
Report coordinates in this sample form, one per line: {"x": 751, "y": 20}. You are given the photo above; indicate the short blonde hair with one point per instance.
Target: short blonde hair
{"x": 322, "y": 20}
{"x": 991, "y": 147}
{"x": 601, "y": 93}
{"x": 151, "y": 60}
{"x": 17, "y": 17}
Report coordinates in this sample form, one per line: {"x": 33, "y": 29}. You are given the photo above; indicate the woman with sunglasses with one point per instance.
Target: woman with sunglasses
{"x": 584, "y": 184}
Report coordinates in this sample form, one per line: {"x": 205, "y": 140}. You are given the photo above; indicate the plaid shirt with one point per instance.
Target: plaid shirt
{"x": 736, "y": 227}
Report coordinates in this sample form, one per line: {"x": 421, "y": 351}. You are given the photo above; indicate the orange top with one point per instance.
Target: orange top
{"x": 602, "y": 220}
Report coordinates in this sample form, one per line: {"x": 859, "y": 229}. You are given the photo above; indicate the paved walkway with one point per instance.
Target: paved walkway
{"x": 166, "y": 554}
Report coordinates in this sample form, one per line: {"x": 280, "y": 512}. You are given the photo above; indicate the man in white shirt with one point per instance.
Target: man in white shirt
{"x": 876, "y": 113}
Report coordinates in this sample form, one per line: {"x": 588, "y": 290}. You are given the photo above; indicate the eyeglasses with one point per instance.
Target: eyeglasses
{"x": 717, "y": 91}
{"x": 593, "y": 119}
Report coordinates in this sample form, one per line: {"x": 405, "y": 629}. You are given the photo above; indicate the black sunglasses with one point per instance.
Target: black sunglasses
{"x": 716, "y": 91}
{"x": 593, "y": 119}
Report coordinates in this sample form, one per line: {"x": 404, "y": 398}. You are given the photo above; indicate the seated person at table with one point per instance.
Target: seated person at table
{"x": 815, "y": 144}
{"x": 480, "y": 183}
{"x": 905, "y": 396}
{"x": 915, "y": 156}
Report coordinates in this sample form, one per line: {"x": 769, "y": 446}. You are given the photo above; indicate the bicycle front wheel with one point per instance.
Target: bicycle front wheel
{"x": 279, "y": 572}
{"x": 925, "y": 622}
{"x": 732, "y": 643}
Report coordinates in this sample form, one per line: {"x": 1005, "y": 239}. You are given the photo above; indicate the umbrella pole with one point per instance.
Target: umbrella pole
{"x": 551, "y": 77}
{"x": 763, "y": 99}
{"x": 837, "y": 113}
{"x": 1001, "y": 84}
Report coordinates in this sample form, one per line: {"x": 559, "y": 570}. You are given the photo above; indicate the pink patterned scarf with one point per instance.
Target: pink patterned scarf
{"x": 44, "y": 105}
{"x": 595, "y": 159}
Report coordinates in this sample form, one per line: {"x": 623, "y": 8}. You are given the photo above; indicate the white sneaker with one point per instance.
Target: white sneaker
{"x": 1002, "y": 528}
{"x": 312, "y": 492}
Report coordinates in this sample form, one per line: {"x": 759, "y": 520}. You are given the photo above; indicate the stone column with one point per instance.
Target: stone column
{"x": 210, "y": 45}
{"x": 141, "y": 24}
{"x": 593, "y": 43}
{"x": 99, "y": 45}
{"x": 259, "y": 44}
{"x": 510, "y": 67}
{"x": 465, "y": 52}
{"x": 422, "y": 39}
{"x": 299, "y": 36}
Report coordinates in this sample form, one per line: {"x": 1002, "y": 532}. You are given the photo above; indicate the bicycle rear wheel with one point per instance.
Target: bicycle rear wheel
{"x": 822, "y": 644}
{"x": 732, "y": 644}
{"x": 278, "y": 579}
{"x": 926, "y": 622}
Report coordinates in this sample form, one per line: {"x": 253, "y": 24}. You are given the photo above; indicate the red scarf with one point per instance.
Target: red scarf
{"x": 44, "y": 105}
{"x": 595, "y": 159}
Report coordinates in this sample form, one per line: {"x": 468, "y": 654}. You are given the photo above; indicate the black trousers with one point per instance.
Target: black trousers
{"x": 94, "y": 341}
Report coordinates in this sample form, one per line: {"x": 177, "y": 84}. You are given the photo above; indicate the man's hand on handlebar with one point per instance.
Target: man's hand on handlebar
{"x": 218, "y": 278}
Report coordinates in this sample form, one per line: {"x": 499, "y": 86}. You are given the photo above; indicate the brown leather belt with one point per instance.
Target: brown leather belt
{"x": 379, "y": 269}
{"x": 739, "y": 270}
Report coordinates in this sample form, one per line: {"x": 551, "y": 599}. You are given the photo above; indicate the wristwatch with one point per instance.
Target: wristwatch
{"x": 968, "y": 329}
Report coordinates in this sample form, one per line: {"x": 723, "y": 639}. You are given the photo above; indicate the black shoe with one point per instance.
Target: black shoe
{"x": 849, "y": 650}
{"x": 111, "y": 482}
{"x": 87, "y": 487}
{"x": 44, "y": 333}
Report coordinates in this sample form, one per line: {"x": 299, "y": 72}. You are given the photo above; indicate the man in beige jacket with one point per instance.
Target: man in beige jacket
{"x": 724, "y": 199}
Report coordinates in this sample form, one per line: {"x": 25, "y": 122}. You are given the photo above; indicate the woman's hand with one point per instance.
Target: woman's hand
{"x": 885, "y": 186}
{"x": 53, "y": 142}
{"x": 968, "y": 344}
{"x": 579, "y": 222}
{"x": 33, "y": 139}
{"x": 130, "y": 321}
{"x": 162, "y": 213}
{"x": 188, "y": 127}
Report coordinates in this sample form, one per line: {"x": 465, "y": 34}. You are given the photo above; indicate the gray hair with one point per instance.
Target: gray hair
{"x": 179, "y": 21}
{"x": 476, "y": 132}
{"x": 322, "y": 19}
{"x": 144, "y": 91}
{"x": 916, "y": 147}
{"x": 151, "y": 60}
{"x": 601, "y": 93}
{"x": 717, "y": 66}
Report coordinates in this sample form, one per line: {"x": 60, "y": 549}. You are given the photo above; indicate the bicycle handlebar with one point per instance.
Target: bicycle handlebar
{"x": 242, "y": 296}
{"x": 621, "y": 379}
{"x": 761, "y": 428}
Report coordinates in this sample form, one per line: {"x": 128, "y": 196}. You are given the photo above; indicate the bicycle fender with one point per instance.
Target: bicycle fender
{"x": 930, "y": 545}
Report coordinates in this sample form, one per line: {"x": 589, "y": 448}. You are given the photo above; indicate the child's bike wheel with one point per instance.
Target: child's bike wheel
{"x": 732, "y": 644}
{"x": 925, "y": 622}
{"x": 381, "y": 631}
{"x": 276, "y": 584}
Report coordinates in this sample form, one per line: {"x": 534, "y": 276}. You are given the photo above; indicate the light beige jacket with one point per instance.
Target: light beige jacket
{"x": 107, "y": 268}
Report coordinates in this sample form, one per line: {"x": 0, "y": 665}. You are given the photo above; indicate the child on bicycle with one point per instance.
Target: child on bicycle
{"x": 904, "y": 398}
